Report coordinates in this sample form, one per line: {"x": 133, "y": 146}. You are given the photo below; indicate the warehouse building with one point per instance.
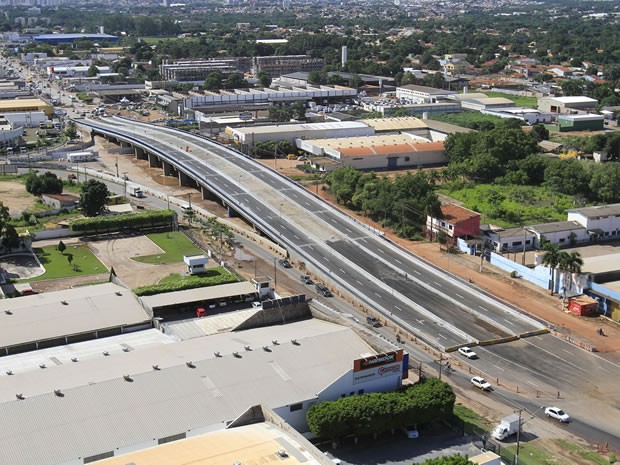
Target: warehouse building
{"x": 65, "y": 317}
{"x": 101, "y": 406}
{"x": 411, "y": 93}
{"x": 567, "y": 105}
{"x": 385, "y": 152}
{"x": 70, "y": 38}
{"x": 260, "y": 438}
{"x": 248, "y": 98}
{"x": 26, "y": 105}
{"x": 276, "y": 66}
{"x": 290, "y": 132}
{"x": 589, "y": 122}
{"x": 198, "y": 70}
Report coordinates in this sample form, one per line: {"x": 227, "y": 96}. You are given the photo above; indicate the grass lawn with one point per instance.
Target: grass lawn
{"x": 177, "y": 282}
{"x": 472, "y": 421}
{"x": 466, "y": 119}
{"x": 587, "y": 455}
{"x": 512, "y": 206}
{"x": 529, "y": 454}
{"x": 519, "y": 100}
{"x": 174, "y": 245}
{"x": 57, "y": 265}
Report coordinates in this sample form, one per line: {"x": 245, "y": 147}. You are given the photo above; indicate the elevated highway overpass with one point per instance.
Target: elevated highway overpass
{"x": 423, "y": 299}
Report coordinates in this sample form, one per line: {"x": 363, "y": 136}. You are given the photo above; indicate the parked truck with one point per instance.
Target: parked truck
{"x": 508, "y": 426}
{"x": 135, "y": 191}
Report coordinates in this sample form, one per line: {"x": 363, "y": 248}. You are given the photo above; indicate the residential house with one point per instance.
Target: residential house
{"x": 601, "y": 222}
{"x": 456, "y": 222}
{"x": 59, "y": 201}
{"x": 510, "y": 240}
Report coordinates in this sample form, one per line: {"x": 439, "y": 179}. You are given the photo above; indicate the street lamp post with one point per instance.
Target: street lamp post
{"x": 275, "y": 274}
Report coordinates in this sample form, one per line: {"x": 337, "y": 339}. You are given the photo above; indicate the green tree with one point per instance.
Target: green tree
{"x": 93, "y": 197}
{"x": 235, "y": 81}
{"x": 551, "y": 259}
{"x": 70, "y": 130}
{"x": 93, "y": 71}
{"x": 569, "y": 264}
{"x": 213, "y": 81}
{"x": 540, "y": 132}
{"x": 605, "y": 181}
{"x": 8, "y": 235}
{"x": 571, "y": 87}
{"x": 61, "y": 247}
{"x": 264, "y": 79}
{"x": 449, "y": 460}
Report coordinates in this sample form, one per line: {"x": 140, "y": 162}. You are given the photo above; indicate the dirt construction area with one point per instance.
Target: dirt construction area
{"x": 15, "y": 197}
{"x": 118, "y": 253}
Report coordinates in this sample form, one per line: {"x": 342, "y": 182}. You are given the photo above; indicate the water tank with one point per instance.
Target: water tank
{"x": 538, "y": 259}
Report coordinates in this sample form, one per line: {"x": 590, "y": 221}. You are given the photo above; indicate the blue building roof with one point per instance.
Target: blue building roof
{"x": 64, "y": 38}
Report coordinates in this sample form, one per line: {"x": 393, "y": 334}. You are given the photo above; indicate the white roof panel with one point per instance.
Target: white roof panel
{"x": 88, "y": 308}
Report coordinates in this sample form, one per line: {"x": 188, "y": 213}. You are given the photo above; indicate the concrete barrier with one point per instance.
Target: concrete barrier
{"x": 501, "y": 340}
{"x": 537, "y": 332}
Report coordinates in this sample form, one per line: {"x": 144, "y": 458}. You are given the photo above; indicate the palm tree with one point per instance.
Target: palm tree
{"x": 568, "y": 264}
{"x": 552, "y": 260}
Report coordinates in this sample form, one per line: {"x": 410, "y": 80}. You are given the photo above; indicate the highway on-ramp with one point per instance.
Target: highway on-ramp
{"x": 347, "y": 254}
{"x": 428, "y": 302}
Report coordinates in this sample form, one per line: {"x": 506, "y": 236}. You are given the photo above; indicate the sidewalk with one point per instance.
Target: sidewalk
{"x": 517, "y": 292}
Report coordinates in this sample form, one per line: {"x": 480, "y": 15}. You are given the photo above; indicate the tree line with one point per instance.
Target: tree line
{"x": 506, "y": 155}
{"x": 403, "y": 201}
{"x": 427, "y": 401}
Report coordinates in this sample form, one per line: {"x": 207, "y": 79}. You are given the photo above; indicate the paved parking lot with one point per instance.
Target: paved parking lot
{"x": 398, "y": 450}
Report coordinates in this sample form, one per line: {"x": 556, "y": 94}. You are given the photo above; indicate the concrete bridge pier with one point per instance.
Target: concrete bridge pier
{"x": 207, "y": 194}
{"x": 141, "y": 154}
{"x": 168, "y": 169}
{"x": 154, "y": 161}
{"x": 186, "y": 180}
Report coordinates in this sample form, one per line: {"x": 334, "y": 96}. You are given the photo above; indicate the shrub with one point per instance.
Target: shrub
{"x": 188, "y": 283}
{"x": 150, "y": 219}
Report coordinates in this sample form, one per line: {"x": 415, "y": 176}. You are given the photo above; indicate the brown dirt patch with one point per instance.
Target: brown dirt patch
{"x": 118, "y": 252}
{"x": 14, "y": 196}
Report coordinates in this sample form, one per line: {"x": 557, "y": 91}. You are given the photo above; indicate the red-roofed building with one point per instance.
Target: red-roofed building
{"x": 456, "y": 222}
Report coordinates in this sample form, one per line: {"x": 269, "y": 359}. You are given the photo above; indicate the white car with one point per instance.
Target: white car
{"x": 467, "y": 352}
{"x": 411, "y": 432}
{"x": 481, "y": 383}
{"x": 557, "y": 413}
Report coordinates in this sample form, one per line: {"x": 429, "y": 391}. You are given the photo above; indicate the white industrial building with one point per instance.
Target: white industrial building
{"x": 290, "y": 132}
{"x": 387, "y": 152}
{"x": 64, "y": 317}
{"x": 28, "y": 119}
{"x": 271, "y": 95}
{"x": 421, "y": 94}
{"x": 562, "y": 233}
{"x": 600, "y": 221}
{"x": 529, "y": 115}
{"x": 567, "y": 105}
{"x": 131, "y": 397}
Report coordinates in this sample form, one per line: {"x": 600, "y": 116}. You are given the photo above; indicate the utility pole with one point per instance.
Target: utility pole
{"x": 524, "y": 239}
{"x": 116, "y": 164}
{"x": 518, "y": 439}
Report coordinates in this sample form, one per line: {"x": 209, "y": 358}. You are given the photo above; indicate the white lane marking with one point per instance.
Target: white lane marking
{"x": 378, "y": 295}
{"x": 343, "y": 272}
{"x": 499, "y": 368}
{"x": 532, "y": 384}
{"x": 437, "y": 283}
{"x": 556, "y": 356}
{"x": 482, "y": 308}
{"x": 441, "y": 336}
{"x": 509, "y": 322}
{"x": 417, "y": 272}
{"x": 459, "y": 296}
{"x": 296, "y": 237}
{"x": 359, "y": 282}
{"x": 397, "y": 307}
{"x": 398, "y": 261}
{"x": 568, "y": 352}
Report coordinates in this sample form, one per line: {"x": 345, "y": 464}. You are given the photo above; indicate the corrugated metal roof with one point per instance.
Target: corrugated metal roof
{"x": 249, "y": 444}
{"x": 88, "y": 308}
{"x": 99, "y": 416}
{"x": 282, "y": 128}
{"x": 199, "y": 294}
{"x": 598, "y": 211}
{"x": 395, "y": 124}
{"x": 556, "y": 226}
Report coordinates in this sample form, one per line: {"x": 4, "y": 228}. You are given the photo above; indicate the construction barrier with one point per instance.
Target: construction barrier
{"x": 501, "y": 340}
{"x": 537, "y": 332}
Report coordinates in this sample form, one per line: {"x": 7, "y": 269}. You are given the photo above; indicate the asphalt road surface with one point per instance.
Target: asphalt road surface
{"x": 415, "y": 294}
